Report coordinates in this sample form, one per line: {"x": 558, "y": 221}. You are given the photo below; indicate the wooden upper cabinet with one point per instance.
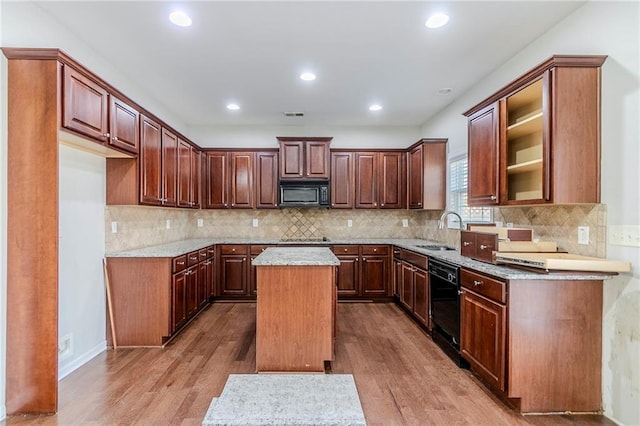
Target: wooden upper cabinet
{"x": 391, "y": 180}
{"x": 342, "y": 180}
{"x": 242, "y": 180}
{"x": 427, "y": 174}
{"x": 304, "y": 158}
{"x": 216, "y": 180}
{"x": 266, "y": 179}
{"x": 196, "y": 172}
{"x": 537, "y": 140}
{"x": 366, "y": 188}
{"x": 184, "y": 173}
{"x": 124, "y": 126}
{"x": 483, "y": 157}
{"x": 85, "y": 108}
{"x": 150, "y": 161}
{"x": 169, "y": 168}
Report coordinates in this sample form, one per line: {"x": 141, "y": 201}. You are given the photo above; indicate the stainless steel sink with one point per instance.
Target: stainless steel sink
{"x": 436, "y": 247}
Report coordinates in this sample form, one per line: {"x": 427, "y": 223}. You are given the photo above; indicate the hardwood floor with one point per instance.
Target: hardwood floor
{"x": 401, "y": 376}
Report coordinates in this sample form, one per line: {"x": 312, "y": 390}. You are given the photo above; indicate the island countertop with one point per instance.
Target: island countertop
{"x": 296, "y": 256}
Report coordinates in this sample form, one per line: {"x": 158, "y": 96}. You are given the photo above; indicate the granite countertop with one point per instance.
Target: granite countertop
{"x": 179, "y": 248}
{"x": 296, "y": 256}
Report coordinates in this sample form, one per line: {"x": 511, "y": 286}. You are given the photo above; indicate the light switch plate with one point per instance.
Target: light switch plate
{"x": 168, "y": 225}
{"x": 349, "y": 223}
{"x": 200, "y": 223}
{"x": 583, "y": 235}
{"x": 624, "y": 235}
{"x": 255, "y": 223}
{"x": 405, "y": 223}
{"x": 114, "y": 227}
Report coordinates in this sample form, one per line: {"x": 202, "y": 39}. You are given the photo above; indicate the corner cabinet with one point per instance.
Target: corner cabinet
{"x": 427, "y": 174}
{"x": 537, "y": 140}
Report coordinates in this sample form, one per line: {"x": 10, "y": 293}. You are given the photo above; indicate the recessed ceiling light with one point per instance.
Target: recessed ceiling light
{"x": 307, "y": 76}
{"x": 375, "y": 107}
{"x": 233, "y": 107}
{"x": 437, "y": 20}
{"x": 180, "y": 18}
{"x": 445, "y": 91}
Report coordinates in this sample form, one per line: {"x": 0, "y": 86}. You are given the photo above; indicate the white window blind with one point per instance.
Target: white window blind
{"x": 459, "y": 180}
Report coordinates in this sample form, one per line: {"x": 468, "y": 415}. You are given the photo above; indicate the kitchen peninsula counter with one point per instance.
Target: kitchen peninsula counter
{"x": 295, "y": 308}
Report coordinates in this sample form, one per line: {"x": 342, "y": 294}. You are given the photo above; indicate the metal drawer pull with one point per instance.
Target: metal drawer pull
{"x": 477, "y": 283}
{"x": 466, "y": 243}
{"x": 493, "y": 197}
{"x": 482, "y": 247}
{"x": 180, "y": 263}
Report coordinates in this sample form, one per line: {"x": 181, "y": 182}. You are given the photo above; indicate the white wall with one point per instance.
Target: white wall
{"x": 610, "y": 28}
{"x": 81, "y": 298}
{"x": 3, "y": 222}
{"x": 343, "y": 137}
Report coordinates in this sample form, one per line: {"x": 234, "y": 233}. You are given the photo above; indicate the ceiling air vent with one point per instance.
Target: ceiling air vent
{"x": 293, "y": 114}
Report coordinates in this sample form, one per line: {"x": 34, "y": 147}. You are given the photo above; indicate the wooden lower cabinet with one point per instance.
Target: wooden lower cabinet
{"x": 155, "y": 297}
{"x": 412, "y": 280}
{"x": 536, "y": 343}
{"x": 421, "y": 296}
{"x": 364, "y": 271}
{"x": 234, "y": 271}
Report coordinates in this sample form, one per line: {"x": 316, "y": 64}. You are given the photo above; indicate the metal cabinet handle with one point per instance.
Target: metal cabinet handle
{"x": 477, "y": 283}
{"x": 115, "y": 138}
{"x": 203, "y": 254}
{"x": 493, "y": 197}
{"x": 180, "y": 263}
{"x": 364, "y": 259}
{"x": 375, "y": 250}
{"x": 419, "y": 203}
{"x": 466, "y": 243}
{"x": 381, "y": 204}
{"x": 482, "y": 247}
{"x": 106, "y": 135}
{"x": 233, "y": 249}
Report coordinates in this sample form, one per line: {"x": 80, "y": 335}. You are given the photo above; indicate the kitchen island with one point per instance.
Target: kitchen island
{"x": 296, "y": 308}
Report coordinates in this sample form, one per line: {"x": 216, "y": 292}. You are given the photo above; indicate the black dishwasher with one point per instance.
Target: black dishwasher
{"x": 445, "y": 308}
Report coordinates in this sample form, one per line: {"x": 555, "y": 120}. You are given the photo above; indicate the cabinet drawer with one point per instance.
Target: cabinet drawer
{"x": 202, "y": 254}
{"x": 179, "y": 263}
{"x": 211, "y": 251}
{"x": 415, "y": 259}
{"x": 468, "y": 243}
{"x": 485, "y": 245}
{"x": 486, "y": 286}
{"x": 369, "y": 250}
{"x": 353, "y": 249}
{"x": 193, "y": 258}
{"x": 234, "y": 249}
{"x": 257, "y": 249}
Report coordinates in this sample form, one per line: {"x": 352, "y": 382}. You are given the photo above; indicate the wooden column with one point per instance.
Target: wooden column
{"x": 32, "y": 237}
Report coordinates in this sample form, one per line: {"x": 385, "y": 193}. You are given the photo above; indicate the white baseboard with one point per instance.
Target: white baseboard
{"x": 81, "y": 360}
{"x": 3, "y": 412}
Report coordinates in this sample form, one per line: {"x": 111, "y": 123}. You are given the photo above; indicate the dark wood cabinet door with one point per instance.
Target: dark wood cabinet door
{"x": 317, "y": 160}
{"x": 342, "y": 180}
{"x": 391, "y": 180}
{"x": 210, "y": 278}
{"x": 483, "y": 158}
{"x": 124, "y": 127}
{"x": 374, "y": 275}
{"x": 242, "y": 180}
{"x": 397, "y": 278}
{"x": 483, "y": 337}
{"x": 150, "y": 162}
{"x": 203, "y": 296}
{"x": 169, "y": 168}
{"x": 184, "y": 174}
{"x": 292, "y": 159}
{"x": 216, "y": 188}
{"x": 416, "y": 179}
{"x": 233, "y": 275}
{"x": 196, "y": 172}
{"x": 85, "y": 108}
{"x": 366, "y": 189}
{"x": 266, "y": 180}
{"x": 406, "y": 292}
{"x": 421, "y": 300}
{"x": 348, "y": 274}
{"x": 179, "y": 301}
{"x": 434, "y": 175}
{"x": 192, "y": 291}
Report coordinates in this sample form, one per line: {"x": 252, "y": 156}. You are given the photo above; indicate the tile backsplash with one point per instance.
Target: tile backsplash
{"x": 140, "y": 226}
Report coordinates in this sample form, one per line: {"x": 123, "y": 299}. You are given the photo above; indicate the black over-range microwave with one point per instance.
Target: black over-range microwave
{"x": 304, "y": 194}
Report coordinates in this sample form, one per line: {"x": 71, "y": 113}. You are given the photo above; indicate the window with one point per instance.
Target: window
{"x": 458, "y": 179}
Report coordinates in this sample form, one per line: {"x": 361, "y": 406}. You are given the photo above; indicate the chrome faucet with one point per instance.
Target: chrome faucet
{"x": 444, "y": 216}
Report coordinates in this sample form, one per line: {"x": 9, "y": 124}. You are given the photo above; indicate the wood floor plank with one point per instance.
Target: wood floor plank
{"x": 402, "y": 377}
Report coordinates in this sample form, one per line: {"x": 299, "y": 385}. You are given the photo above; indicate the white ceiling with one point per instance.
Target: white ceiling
{"x": 252, "y": 53}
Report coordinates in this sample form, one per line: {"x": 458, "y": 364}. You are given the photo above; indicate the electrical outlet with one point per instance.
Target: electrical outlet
{"x": 349, "y": 223}
{"x": 499, "y": 224}
{"x": 255, "y": 223}
{"x": 405, "y": 223}
{"x": 509, "y": 224}
{"x": 168, "y": 224}
{"x": 200, "y": 223}
{"x": 583, "y": 235}
{"x": 114, "y": 227}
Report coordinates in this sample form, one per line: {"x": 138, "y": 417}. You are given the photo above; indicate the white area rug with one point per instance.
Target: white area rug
{"x": 287, "y": 399}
